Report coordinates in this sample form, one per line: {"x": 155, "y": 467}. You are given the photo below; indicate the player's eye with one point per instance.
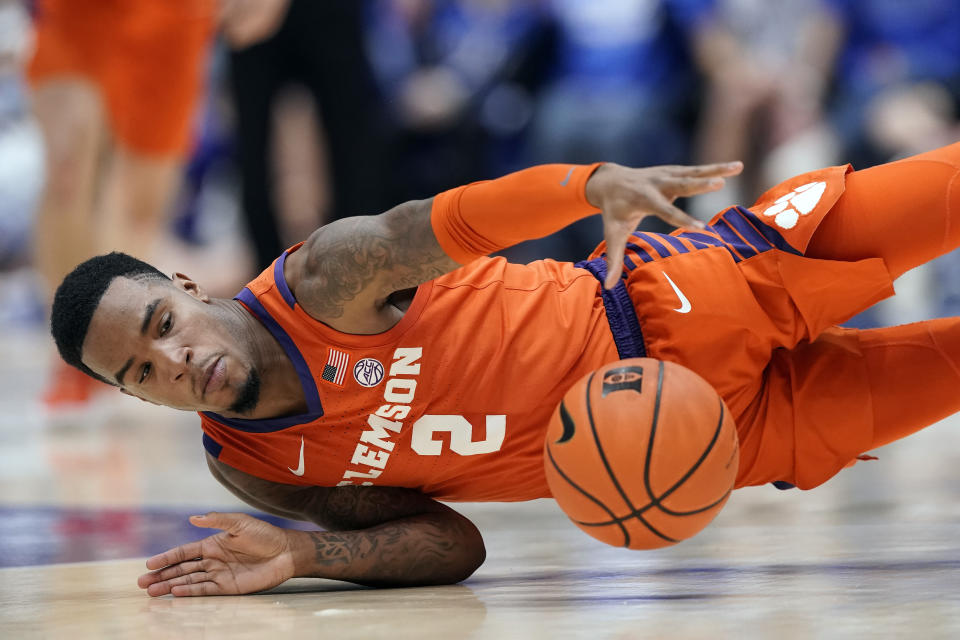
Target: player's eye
{"x": 144, "y": 372}
{"x": 166, "y": 323}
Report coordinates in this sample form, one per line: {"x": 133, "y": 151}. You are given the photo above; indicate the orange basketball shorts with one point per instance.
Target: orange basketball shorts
{"x": 146, "y": 57}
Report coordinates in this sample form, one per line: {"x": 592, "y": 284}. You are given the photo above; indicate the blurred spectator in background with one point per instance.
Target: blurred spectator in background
{"x": 896, "y": 93}
{"x": 316, "y": 44}
{"x": 115, "y": 85}
{"x": 457, "y": 76}
{"x": 767, "y": 66}
{"x": 897, "y": 77}
{"x": 21, "y": 146}
{"x": 21, "y": 171}
{"x": 622, "y": 87}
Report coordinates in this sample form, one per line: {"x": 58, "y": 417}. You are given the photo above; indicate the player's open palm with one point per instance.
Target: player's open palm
{"x": 248, "y": 555}
{"x": 626, "y": 196}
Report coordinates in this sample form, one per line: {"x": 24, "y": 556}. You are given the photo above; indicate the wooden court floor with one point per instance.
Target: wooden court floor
{"x": 85, "y": 498}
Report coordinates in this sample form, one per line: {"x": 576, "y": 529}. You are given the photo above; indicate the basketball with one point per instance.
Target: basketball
{"x": 641, "y": 453}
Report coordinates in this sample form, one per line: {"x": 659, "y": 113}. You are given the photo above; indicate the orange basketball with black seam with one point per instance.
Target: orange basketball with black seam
{"x": 641, "y": 453}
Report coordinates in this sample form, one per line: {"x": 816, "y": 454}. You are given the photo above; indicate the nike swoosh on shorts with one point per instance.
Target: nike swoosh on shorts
{"x": 685, "y": 305}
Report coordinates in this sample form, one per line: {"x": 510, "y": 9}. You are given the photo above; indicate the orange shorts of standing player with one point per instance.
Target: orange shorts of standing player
{"x": 143, "y": 56}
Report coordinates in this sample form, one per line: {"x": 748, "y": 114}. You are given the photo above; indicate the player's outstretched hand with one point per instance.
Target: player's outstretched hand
{"x": 248, "y": 555}
{"x": 626, "y": 196}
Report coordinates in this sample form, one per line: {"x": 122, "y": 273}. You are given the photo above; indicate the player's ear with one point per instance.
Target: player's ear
{"x": 183, "y": 281}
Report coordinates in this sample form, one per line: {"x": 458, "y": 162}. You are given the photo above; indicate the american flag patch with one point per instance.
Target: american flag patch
{"x": 336, "y": 367}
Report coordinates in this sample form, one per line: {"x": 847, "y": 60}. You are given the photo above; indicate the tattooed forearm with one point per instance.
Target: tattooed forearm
{"x": 368, "y": 257}
{"x": 426, "y": 549}
{"x": 344, "y": 508}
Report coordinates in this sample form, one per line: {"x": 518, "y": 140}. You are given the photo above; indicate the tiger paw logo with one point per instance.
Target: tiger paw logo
{"x": 787, "y": 209}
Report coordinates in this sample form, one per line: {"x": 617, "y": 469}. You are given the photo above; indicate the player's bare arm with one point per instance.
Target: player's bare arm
{"x": 348, "y": 270}
{"x": 376, "y": 536}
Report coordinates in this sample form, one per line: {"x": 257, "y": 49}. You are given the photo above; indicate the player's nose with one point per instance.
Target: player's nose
{"x": 176, "y": 363}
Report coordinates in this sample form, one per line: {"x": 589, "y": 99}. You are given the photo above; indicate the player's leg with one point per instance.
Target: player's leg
{"x": 152, "y": 96}
{"x": 66, "y": 75}
{"x": 71, "y": 116}
{"x": 848, "y": 392}
{"x": 136, "y": 197}
{"x": 906, "y": 212}
{"x": 914, "y": 376}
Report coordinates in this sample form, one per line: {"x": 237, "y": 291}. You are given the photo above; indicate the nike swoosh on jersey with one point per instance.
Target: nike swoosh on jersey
{"x": 300, "y": 467}
{"x": 685, "y": 305}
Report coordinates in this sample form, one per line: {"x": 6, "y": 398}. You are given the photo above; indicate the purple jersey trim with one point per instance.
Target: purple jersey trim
{"x": 281, "y": 281}
{"x": 212, "y": 446}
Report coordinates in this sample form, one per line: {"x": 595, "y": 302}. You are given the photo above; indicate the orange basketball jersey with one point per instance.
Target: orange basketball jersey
{"x": 454, "y": 400}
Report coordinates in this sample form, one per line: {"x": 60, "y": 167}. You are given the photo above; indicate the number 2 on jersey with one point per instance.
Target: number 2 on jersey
{"x": 461, "y": 435}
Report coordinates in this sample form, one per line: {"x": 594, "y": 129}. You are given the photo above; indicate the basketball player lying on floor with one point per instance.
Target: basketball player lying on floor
{"x": 385, "y": 364}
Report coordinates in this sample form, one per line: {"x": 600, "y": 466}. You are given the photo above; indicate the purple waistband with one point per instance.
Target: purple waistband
{"x": 621, "y": 315}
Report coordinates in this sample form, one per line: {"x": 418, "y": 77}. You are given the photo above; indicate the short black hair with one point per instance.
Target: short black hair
{"x": 78, "y": 297}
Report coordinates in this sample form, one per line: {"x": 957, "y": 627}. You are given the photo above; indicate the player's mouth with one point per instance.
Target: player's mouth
{"x": 214, "y": 377}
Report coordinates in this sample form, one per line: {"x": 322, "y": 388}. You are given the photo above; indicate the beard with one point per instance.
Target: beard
{"x": 248, "y": 396}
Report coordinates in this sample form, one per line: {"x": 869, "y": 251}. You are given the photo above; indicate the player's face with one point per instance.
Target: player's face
{"x": 168, "y": 344}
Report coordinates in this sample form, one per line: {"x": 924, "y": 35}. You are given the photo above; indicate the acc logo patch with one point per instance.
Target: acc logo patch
{"x": 622, "y": 378}
{"x": 787, "y": 209}
{"x": 368, "y": 372}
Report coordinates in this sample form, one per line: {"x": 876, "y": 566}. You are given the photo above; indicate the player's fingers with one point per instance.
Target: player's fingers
{"x": 196, "y": 589}
{"x": 178, "y": 570}
{"x": 615, "y": 236}
{"x": 683, "y": 186}
{"x": 668, "y": 212}
{"x": 229, "y": 522}
{"x": 184, "y": 552}
{"x": 197, "y": 577}
{"x": 158, "y": 589}
{"x": 715, "y": 170}
{"x": 148, "y": 579}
